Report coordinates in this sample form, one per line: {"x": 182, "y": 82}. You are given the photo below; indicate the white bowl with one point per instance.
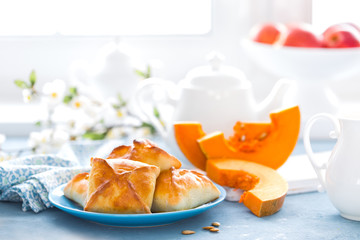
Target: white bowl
{"x": 312, "y": 70}
{"x": 305, "y": 63}
{"x": 84, "y": 150}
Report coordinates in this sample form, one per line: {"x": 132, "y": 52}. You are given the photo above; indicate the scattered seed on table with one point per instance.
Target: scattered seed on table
{"x": 216, "y": 224}
{"x": 214, "y": 230}
{"x": 188, "y": 232}
{"x": 208, "y": 227}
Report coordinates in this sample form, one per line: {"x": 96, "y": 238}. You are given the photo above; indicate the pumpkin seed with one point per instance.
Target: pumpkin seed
{"x": 216, "y": 224}
{"x": 214, "y": 230}
{"x": 208, "y": 227}
{"x": 188, "y": 232}
{"x": 263, "y": 136}
{"x": 243, "y": 138}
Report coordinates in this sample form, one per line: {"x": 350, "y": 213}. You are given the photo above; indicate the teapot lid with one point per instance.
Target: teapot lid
{"x": 216, "y": 76}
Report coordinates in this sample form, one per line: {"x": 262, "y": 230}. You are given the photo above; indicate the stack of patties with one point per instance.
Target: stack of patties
{"x": 140, "y": 179}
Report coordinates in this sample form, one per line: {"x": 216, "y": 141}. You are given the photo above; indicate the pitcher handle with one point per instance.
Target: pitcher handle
{"x": 307, "y": 144}
{"x": 151, "y": 84}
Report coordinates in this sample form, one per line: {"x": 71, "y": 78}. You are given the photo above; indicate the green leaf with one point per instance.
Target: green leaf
{"x": 116, "y": 106}
{"x": 119, "y": 97}
{"x": 94, "y": 135}
{"x": 67, "y": 99}
{"x": 122, "y": 102}
{"x": 156, "y": 113}
{"x": 21, "y": 84}
{"x": 140, "y": 73}
{"x": 32, "y": 78}
{"x": 144, "y": 74}
{"x": 150, "y": 126}
{"x": 38, "y": 124}
{"x": 73, "y": 91}
{"x": 148, "y": 72}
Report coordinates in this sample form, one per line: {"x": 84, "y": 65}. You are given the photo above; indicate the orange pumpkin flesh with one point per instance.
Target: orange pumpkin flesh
{"x": 186, "y": 134}
{"x": 271, "y": 143}
{"x": 265, "y": 189}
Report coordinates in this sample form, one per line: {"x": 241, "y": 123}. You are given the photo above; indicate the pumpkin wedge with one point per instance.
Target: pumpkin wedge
{"x": 186, "y": 134}
{"x": 265, "y": 189}
{"x": 269, "y": 144}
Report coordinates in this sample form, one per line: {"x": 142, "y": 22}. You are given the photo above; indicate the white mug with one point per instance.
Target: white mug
{"x": 340, "y": 175}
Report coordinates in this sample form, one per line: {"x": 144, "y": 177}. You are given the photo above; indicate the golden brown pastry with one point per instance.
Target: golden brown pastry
{"x": 147, "y": 152}
{"x": 121, "y": 186}
{"x": 180, "y": 189}
{"x": 77, "y": 188}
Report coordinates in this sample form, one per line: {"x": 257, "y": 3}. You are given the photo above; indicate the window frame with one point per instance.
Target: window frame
{"x": 81, "y": 36}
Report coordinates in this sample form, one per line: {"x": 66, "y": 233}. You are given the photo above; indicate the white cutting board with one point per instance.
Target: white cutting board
{"x": 300, "y": 174}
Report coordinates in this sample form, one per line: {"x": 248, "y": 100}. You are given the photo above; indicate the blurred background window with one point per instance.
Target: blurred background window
{"x": 328, "y": 12}
{"x": 56, "y": 38}
{"x": 104, "y": 17}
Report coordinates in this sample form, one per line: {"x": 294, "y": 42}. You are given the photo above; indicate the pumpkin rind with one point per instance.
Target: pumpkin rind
{"x": 264, "y": 198}
{"x": 186, "y": 134}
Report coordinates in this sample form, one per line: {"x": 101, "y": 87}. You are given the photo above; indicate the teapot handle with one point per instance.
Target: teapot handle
{"x": 147, "y": 92}
{"x": 319, "y": 167}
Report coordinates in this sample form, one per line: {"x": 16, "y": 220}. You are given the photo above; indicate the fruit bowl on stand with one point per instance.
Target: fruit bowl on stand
{"x": 312, "y": 69}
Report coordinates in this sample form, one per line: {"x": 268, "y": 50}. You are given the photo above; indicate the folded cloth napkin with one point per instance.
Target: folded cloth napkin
{"x": 30, "y": 179}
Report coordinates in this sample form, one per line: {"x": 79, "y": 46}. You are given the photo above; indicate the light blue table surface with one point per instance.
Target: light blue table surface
{"x": 303, "y": 216}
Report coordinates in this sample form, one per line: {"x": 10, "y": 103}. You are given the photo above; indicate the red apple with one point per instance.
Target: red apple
{"x": 268, "y": 33}
{"x": 342, "y": 35}
{"x": 301, "y": 35}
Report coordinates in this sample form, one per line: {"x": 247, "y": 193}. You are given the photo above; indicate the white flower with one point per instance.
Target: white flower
{"x": 79, "y": 123}
{"x": 114, "y": 116}
{"x": 116, "y": 132}
{"x": 141, "y": 132}
{"x": 48, "y": 140}
{"x": 27, "y": 95}
{"x": 90, "y": 107}
{"x": 79, "y": 102}
{"x": 75, "y": 121}
{"x": 35, "y": 139}
{"x": 86, "y": 111}
{"x": 4, "y": 156}
{"x": 54, "y": 92}
{"x": 59, "y": 138}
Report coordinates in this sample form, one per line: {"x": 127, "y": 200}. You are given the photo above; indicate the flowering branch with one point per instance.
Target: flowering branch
{"x": 28, "y": 87}
{"x": 73, "y": 115}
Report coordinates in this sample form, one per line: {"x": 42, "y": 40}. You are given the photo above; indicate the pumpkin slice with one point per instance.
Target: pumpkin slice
{"x": 269, "y": 144}
{"x": 265, "y": 189}
{"x": 186, "y": 134}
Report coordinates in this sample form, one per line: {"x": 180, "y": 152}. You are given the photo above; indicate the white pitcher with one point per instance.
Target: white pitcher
{"x": 342, "y": 171}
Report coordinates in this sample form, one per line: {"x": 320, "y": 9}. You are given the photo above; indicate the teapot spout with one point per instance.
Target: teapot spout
{"x": 275, "y": 99}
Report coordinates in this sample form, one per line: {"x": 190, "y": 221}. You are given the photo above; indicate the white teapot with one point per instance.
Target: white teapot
{"x": 114, "y": 72}
{"x": 217, "y": 96}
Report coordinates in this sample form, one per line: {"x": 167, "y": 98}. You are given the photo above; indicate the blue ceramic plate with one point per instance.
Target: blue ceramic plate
{"x": 58, "y": 199}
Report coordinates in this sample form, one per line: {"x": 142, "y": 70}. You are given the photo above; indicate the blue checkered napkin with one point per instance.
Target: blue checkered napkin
{"x": 30, "y": 179}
